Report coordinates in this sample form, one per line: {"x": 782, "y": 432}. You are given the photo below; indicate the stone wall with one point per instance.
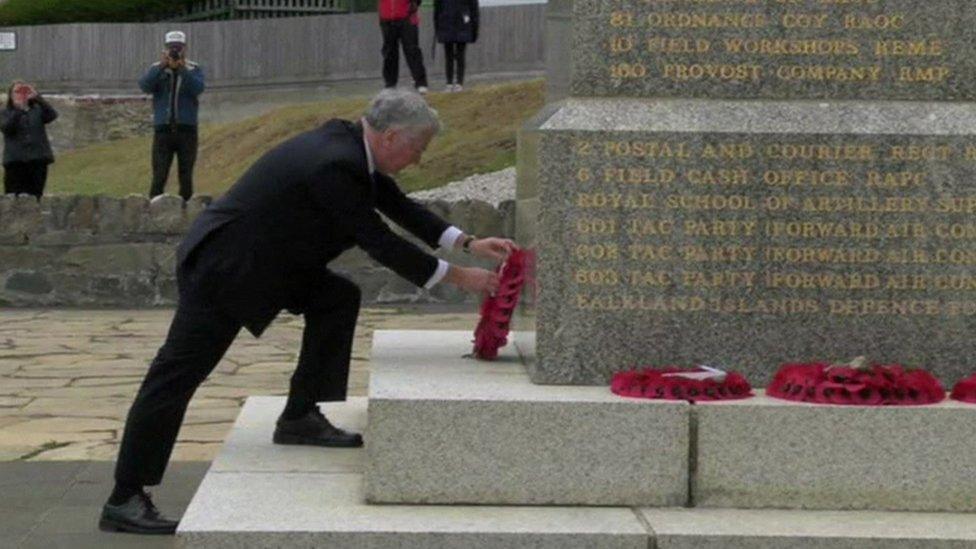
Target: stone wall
{"x": 97, "y": 251}
{"x": 86, "y": 120}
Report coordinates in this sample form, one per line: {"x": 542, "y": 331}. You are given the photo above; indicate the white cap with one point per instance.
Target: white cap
{"x": 175, "y": 37}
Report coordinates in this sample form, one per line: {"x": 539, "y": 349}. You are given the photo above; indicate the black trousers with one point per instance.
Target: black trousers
{"x": 25, "y": 178}
{"x": 403, "y": 34}
{"x": 198, "y": 337}
{"x": 181, "y": 142}
{"x": 454, "y": 56}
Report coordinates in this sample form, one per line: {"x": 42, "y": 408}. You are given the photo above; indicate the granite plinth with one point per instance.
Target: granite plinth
{"x": 776, "y": 529}
{"x": 747, "y": 234}
{"x": 802, "y": 49}
{"x": 770, "y": 453}
{"x": 259, "y": 494}
{"x": 448, "y": 429}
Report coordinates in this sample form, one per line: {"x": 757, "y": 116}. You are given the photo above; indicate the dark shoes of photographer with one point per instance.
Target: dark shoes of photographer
{"x": 313, "y": 429}
{"x": 136, "y": 515}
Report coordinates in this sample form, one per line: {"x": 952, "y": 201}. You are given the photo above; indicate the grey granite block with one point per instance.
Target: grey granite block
{"x": 798, "y": 49}
{"x": 749, "y": 234}
{"x": 776, "y": 529}
{"x": 257, "y": 494}
{"x": 770, "y": 453}
{"x": 447, "y": 429}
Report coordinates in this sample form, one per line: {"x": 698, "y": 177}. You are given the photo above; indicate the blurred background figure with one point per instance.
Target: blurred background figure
{"x": 175, "y": 84}
{"x": 400, "y": 24}
{"x": 27, "y": 150}
{"x": 456, "y": 26}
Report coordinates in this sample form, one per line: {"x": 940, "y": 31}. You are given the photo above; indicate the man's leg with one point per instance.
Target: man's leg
{"x": 186, "y": 157}
{"x": 391, "y": 52}
{"x": 449, "y": 63}
{"x": 323, "y": 365}
{"x": 198, "y": 337}
{"x": 459, "y": 57}
{"x": 411, "y": 50}
{"x": 162, "y": 159}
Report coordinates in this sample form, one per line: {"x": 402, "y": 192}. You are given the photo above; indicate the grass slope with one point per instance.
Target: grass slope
{"x": 479, "y": 136}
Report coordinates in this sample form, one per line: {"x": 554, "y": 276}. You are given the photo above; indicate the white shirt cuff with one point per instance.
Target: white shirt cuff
{"x": 449, "y": 237}
{"x": 440, "y": 273}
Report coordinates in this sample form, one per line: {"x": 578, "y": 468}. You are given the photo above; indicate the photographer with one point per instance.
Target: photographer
{"x": 27, "y": 151}
{"x": 175, "y": 84}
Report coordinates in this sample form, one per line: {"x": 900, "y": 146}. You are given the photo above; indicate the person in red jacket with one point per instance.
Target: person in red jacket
{"x": 399, "y": 22}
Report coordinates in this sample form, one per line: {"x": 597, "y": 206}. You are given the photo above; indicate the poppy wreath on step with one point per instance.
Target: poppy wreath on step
{"x": 965, "y": 390}
{"x": 855, "y": 384}
{"x": 496, "y": 311}
{"x": 701, "y": 383}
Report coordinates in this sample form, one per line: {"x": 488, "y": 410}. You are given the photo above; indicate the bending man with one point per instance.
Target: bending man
{"x": 264, "y": 246}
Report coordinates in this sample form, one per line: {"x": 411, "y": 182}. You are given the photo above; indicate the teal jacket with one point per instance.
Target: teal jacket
{"x": 189, "y": 85}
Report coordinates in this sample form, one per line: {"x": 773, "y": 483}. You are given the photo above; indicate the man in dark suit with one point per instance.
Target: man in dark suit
{"x": 264, "y": 246}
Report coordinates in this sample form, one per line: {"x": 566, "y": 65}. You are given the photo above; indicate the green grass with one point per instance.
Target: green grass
{"x": 479, "y": 136}
{"x": 42, "y": 12}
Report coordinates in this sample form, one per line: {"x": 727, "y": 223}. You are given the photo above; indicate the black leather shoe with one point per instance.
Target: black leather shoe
{"x": 137, "y": 515}
{"x": 313, "y": 429}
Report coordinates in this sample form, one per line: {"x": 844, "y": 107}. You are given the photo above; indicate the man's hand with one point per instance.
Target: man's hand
{"x": 494, "y": 249}
{"x": 472, "y": 279}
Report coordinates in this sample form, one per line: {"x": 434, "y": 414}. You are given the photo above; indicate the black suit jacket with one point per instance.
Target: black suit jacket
{"x": 264, "y": 244}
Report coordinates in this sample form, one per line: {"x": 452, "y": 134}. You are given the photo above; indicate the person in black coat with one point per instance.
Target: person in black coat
{"x": 27, "y": 150}
{"x": 455, "y": 26}
{"x": 264, "y": 246}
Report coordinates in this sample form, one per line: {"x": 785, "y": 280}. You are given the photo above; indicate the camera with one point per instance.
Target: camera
{"x": 175, "y": 53}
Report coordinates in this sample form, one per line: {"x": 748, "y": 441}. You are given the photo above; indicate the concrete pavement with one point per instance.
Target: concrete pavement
{"x": 67, "y": 377}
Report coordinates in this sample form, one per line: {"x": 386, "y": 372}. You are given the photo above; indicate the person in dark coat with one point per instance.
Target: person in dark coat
{"x": 456, "y": 26}
{"x": 27, "y": 150}
{"x": 265, "y": 246}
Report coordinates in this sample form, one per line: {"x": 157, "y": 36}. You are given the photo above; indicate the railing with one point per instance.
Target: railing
{"x": 215, "y": 10}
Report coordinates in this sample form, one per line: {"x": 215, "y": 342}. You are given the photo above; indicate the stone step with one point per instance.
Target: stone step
{"x": 785, "y": 529}
{"x": 449, "y": 429}
{"x": 257, "y": 494}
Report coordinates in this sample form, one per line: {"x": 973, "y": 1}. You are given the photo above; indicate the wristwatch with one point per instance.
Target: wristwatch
{"x": 466, "y": 245}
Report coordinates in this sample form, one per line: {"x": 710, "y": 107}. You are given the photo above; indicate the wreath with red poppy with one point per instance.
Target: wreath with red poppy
{"x": 965, "y": 390}
{"x": 701, "y": 383}
{"x": 491, "y": 333}
{"x": 856, "y": 384}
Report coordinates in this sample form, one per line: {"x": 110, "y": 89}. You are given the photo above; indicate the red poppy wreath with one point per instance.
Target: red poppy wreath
{"x": 855, "y": 383}
{"x": 701, "y": 383}
{"x": 496, "y": 311}
{"x": 965, "y": 390}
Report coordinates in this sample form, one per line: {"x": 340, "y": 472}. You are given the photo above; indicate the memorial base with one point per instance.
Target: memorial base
{"x": 257, "y": 494}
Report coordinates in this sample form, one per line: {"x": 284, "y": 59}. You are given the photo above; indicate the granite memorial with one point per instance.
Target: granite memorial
{"x": 750, "y": 182}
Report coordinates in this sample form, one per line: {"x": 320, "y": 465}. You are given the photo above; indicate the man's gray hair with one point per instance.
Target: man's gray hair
{"x": 395, "y": 108}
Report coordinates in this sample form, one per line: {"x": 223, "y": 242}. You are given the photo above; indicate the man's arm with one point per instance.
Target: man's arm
{"x": 194, "y": 83}
{"x": 408, "y": 213}
{"x": 340, "y": 192}
{"x": 429, "y": 227}
{"x": 149, "y": 83}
